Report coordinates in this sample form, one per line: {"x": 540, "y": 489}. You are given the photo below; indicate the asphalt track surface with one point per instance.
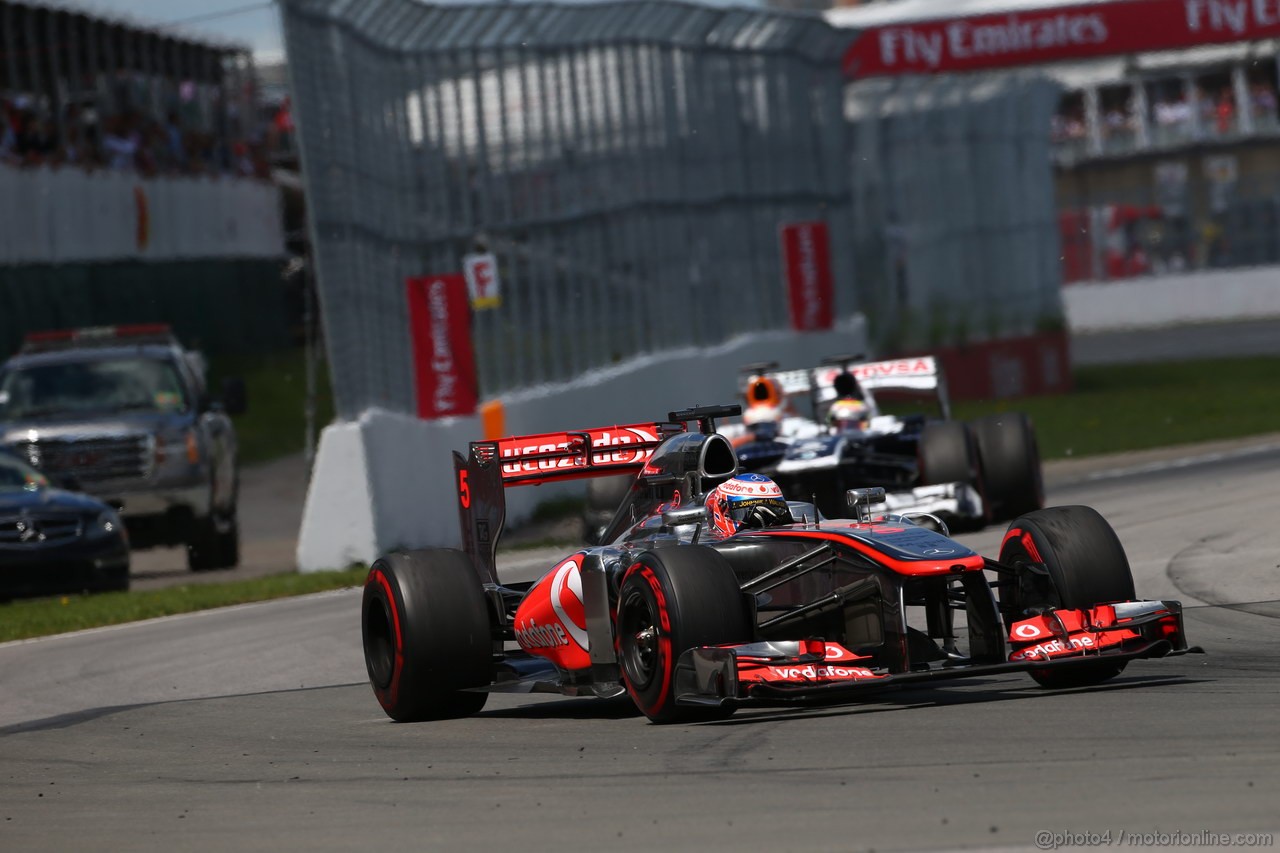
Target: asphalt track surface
{"x": 252, "y": 728}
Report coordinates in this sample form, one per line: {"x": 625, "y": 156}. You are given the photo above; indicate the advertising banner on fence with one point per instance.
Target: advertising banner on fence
{"x": 1066, "y": 32}
{"x": 483, "y": 284}
{"x": 443, "y": 360}
{"x": 806, "y": 264}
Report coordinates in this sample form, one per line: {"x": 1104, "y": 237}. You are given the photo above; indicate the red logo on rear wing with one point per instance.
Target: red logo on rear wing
{"x": 532, "y": 459}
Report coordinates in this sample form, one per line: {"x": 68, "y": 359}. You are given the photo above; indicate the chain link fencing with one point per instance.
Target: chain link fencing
{"x": 630, "y": 165}
{"x": 953, "y": 208}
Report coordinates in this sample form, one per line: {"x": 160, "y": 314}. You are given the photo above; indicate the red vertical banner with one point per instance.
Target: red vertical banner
{"x": 440, "y": 325}
{"x": 806, "y": 263}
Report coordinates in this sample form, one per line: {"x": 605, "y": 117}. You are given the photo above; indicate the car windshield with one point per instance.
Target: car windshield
{"x": 142, "y": 384}
{"x": 15, "y": 476}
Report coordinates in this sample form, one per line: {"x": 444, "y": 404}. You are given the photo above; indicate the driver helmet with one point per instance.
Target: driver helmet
{"x": 747, "y": 500}
{"x": 845, "y": 415}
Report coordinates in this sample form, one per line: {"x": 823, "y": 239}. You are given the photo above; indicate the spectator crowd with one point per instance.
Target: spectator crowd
{"x": 129, "y": 140}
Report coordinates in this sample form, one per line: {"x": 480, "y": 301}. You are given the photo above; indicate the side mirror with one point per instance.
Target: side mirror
{"x": 235, "y": 398}
{"x": 861, "y": 501}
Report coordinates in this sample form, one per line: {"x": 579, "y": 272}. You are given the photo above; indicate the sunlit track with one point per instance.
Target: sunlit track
{"x": 253, "y": 729}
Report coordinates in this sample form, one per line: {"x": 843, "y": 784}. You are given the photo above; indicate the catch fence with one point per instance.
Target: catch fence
{"x": 630, "y": 165}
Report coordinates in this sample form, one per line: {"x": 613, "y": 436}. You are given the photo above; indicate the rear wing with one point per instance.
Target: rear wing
{"x": 530, "y": 460}
{"x": 899, "y": 374}
{"x": 916, "y": 374}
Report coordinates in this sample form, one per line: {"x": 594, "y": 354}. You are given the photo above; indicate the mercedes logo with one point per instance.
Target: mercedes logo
{"x": 27, "y": 531}
{"x": 937, "y": 552}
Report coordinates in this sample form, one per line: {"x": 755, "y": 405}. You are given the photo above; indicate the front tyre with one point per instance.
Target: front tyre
{"x": 672, "y": 600}
{"x": 1086, "y": 566}
{"x": 426, "y": 631}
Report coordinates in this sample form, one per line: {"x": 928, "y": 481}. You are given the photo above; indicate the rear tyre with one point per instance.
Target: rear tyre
{"x": 670, "y": 601}
{"x": 1010, "y": 463}
{"x": 1086, "y": 566}
{"x": 946, "y": 454}
{"x": 426, "y": 630}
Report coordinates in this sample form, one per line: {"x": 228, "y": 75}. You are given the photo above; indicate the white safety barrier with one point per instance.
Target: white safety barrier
{"x": 386, "y": 481}
{"x": 1208, "y": 296}
{"x": 69, "y": 215}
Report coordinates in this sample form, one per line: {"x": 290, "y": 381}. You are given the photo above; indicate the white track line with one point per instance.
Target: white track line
{"x": 1182, "y": 462}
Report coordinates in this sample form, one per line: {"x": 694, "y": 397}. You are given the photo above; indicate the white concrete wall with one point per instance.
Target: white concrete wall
{"x": 1200, "y": 297}
{"x": 68, "y": 215}
{"x": 386, "y": 480}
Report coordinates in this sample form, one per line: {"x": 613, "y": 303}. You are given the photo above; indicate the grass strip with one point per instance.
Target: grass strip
{"x": 42, "y": 616}
{"x": 275, "y": 423}
{"x": 1141, "y": 406}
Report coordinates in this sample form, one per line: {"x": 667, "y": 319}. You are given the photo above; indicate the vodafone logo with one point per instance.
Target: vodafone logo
{"x": 531, "y": 635}
{"x": 566, "y": 601}
{"x": 1027, "y": 631}
{"x": 1054, "y": 648}
{"x": 810, "y": 673}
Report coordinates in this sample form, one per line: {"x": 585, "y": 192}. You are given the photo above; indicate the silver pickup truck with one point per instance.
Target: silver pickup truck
{"x": 123, "y": 413}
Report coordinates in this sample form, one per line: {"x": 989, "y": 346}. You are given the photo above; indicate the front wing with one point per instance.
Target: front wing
{"x": 814, "y": 670}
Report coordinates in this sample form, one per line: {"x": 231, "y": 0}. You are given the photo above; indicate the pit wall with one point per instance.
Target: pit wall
{"x": 385, "y": 481}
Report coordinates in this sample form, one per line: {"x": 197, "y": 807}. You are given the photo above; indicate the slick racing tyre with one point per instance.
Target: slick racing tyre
{"x": 1086, "y": 566}
{"x": 426, "y": 631}
{"x": 1010, "y": 462}
{"x": 669, "y": 601}
{"x": 946, "y": 454}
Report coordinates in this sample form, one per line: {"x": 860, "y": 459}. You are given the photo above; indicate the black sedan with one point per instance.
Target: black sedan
{"x": 54, "y": 541}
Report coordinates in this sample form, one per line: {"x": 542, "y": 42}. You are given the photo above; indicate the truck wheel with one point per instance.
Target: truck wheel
{"x": 215, "y": 544}
{"x": 427, "y": 637}
{"x": 670, "y": 601}
{"x": 1010, "y": 462}
{"x": 1086, "y": 565}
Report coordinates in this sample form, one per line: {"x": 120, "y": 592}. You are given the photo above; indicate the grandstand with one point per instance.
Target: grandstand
{"x": 79, "y": 88}
{"x": 1168, "y": 129}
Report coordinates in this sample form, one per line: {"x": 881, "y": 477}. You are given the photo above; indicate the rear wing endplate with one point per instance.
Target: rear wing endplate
{"x": 481, "y": 476}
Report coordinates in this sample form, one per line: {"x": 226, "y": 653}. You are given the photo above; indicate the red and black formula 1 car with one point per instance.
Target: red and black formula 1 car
{"x": 693, "y": 621}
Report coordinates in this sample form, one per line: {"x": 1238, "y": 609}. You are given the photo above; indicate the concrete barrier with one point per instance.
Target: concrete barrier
{"x": 386, "y": 481}
{"x": 1208, "y": 296}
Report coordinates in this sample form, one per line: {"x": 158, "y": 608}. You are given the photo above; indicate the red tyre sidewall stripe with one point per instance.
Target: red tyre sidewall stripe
{"x": 389, "y": 696}
{"x": 664, "y": 639}
{"x": 1024, "y": 538}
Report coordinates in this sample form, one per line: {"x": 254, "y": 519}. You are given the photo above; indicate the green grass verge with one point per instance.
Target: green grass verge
{"x": 274, "y": 424}
{"x": 42, "y": 616}
{"x": 1141, "y": 406}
